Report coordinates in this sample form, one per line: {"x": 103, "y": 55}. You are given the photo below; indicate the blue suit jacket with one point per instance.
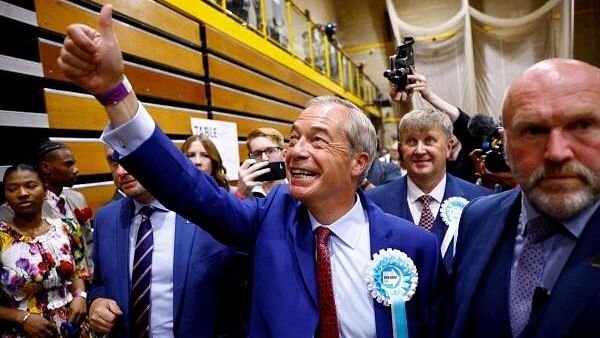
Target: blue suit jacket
{"x": 277, "y": 230}
{"x": 204, "y": 273}
{"x": 383, "y": 172}
{"x": 391, "y": 198}
{"x": 479, "y": 304}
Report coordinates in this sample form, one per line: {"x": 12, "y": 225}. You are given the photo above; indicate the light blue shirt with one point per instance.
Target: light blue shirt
{"x": 350, "y": 248}
{"x": 161, "y": 289}
{"x": 557, "y": 248}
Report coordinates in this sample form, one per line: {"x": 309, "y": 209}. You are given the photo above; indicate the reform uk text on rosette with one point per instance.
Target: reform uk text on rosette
{"x": 392, "y": 280}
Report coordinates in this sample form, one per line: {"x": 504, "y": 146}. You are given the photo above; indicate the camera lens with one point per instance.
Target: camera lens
{"x": 495, "y": 162}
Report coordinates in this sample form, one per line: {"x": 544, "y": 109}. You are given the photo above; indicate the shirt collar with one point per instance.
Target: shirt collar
{"x": 155, "y": 203}
{"x": 574, "y": 224}
{"x": 413, "y": 192}
{"x": 55, "y": 197}
{"x": 348, "y": 227}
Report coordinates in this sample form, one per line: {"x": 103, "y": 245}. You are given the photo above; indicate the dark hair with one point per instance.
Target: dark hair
{"x": 482, "y": 126}
{"x": 22, "y": 166}
{"x": 218, "y": 171}
{"x": 46, "y": 148}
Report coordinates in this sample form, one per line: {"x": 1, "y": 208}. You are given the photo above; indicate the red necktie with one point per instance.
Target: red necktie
{"x": 328, "y": 323}
{"x": 426, "y": 220}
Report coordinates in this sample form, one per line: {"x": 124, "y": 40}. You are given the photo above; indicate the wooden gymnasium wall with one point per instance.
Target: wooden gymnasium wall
{"x": 179, "y": 68}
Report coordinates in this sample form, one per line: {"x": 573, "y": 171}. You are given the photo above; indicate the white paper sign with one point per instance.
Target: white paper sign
{"x": 225, "y": 137}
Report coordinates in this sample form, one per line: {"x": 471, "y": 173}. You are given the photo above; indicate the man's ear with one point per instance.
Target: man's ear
{"x": 44, "y": 167}
{"x": 359, "y": 164}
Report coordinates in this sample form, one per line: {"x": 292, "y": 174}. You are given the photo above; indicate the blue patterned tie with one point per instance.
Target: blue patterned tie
{"x": 528, "y": 273}
{"x": 60, "y": 204}
{"x": 142, "y": 276}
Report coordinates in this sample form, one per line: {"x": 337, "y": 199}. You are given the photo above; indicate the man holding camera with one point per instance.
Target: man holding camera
{"x": 427, "y": 192}
{"x": 265, "y": 146}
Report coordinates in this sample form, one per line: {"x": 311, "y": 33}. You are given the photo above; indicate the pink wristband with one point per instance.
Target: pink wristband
{"x": 116, "y": 94}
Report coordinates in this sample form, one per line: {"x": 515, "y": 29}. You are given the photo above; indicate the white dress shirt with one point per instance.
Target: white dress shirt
{"x": 161, "y": 289}
{"x": 413, "y": 193}
{"x": 350, "y": 248}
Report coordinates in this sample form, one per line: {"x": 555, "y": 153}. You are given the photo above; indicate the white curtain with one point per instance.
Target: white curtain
{"x": 471, "y": 58}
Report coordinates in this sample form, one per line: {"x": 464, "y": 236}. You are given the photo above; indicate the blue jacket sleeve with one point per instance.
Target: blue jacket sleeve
{"x": 172, "y": 179}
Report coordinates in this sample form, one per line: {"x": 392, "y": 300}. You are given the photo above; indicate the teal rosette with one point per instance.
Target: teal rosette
{"x": 392, "y": 280}
{"x": 450, "y": 211}
{"x": 391, "y": 273}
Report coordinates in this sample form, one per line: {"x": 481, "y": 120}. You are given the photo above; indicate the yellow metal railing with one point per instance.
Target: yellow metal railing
{"x": 283, "y": 23}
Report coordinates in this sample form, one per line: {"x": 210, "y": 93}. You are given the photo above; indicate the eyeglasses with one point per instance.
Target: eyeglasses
{"x": 270, "y": 151}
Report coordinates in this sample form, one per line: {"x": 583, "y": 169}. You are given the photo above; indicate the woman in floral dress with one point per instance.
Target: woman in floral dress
{"x": 42, "y": 267}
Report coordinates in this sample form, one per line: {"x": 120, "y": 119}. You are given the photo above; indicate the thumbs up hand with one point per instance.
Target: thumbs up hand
{"x": 90, "y": 58}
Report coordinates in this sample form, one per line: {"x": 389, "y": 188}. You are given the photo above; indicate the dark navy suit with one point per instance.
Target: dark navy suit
{"x": 392, "y": 199}
{"x": 205, "y": 275}
{"x": 480, "y": 304}
{"x": 383, "y": 172}
{"x": 278, "y": 231}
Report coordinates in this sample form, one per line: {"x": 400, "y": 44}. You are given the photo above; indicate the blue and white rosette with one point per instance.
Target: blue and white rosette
{"x": 450, "y": 211}
{"x": 392, "y": 280}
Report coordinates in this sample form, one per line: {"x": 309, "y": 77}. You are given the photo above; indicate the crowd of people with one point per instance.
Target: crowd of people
{"x": 178, "y": 252}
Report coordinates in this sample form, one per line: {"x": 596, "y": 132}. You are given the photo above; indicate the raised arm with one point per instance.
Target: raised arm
{"x": 92, "y": 59}
{"x": 418, "y": 83}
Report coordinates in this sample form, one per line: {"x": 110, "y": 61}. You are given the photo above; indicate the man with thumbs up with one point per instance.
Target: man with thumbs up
{"x": 298, "y": 291}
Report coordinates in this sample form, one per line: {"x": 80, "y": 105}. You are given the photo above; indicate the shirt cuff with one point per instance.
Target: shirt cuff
{"x": 129, "y": 136}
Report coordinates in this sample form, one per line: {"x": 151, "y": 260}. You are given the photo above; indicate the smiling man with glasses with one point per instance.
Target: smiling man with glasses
{"x": 264, "y": 145}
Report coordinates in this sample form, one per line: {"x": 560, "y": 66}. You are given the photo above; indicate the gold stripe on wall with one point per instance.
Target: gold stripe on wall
{"x": 58, "y": 15}
{"x": 159, "y": 16}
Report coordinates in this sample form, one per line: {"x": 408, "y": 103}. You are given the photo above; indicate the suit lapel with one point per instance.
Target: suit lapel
{"x": 125, "y": 217}
{"x": 184, "y": 237}
{"x": 505, "y": 215}
{"x": 399, "y": 206}
{"x": 579, "y": 280}
{"x": 304, "y": 246}
{"x": 72, "y": 201}
{"x": 380, "y": 234}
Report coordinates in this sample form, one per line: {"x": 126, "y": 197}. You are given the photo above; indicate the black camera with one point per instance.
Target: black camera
{"x": 400, "y": 64}
{"x": 494, "y": 153}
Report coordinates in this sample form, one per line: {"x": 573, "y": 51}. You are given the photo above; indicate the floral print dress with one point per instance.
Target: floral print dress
{"x": 36, "y": 272}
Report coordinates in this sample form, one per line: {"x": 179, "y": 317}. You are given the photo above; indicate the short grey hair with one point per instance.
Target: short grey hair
{"x": 358, "y": 129}
{"x": 425, "y": 119}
